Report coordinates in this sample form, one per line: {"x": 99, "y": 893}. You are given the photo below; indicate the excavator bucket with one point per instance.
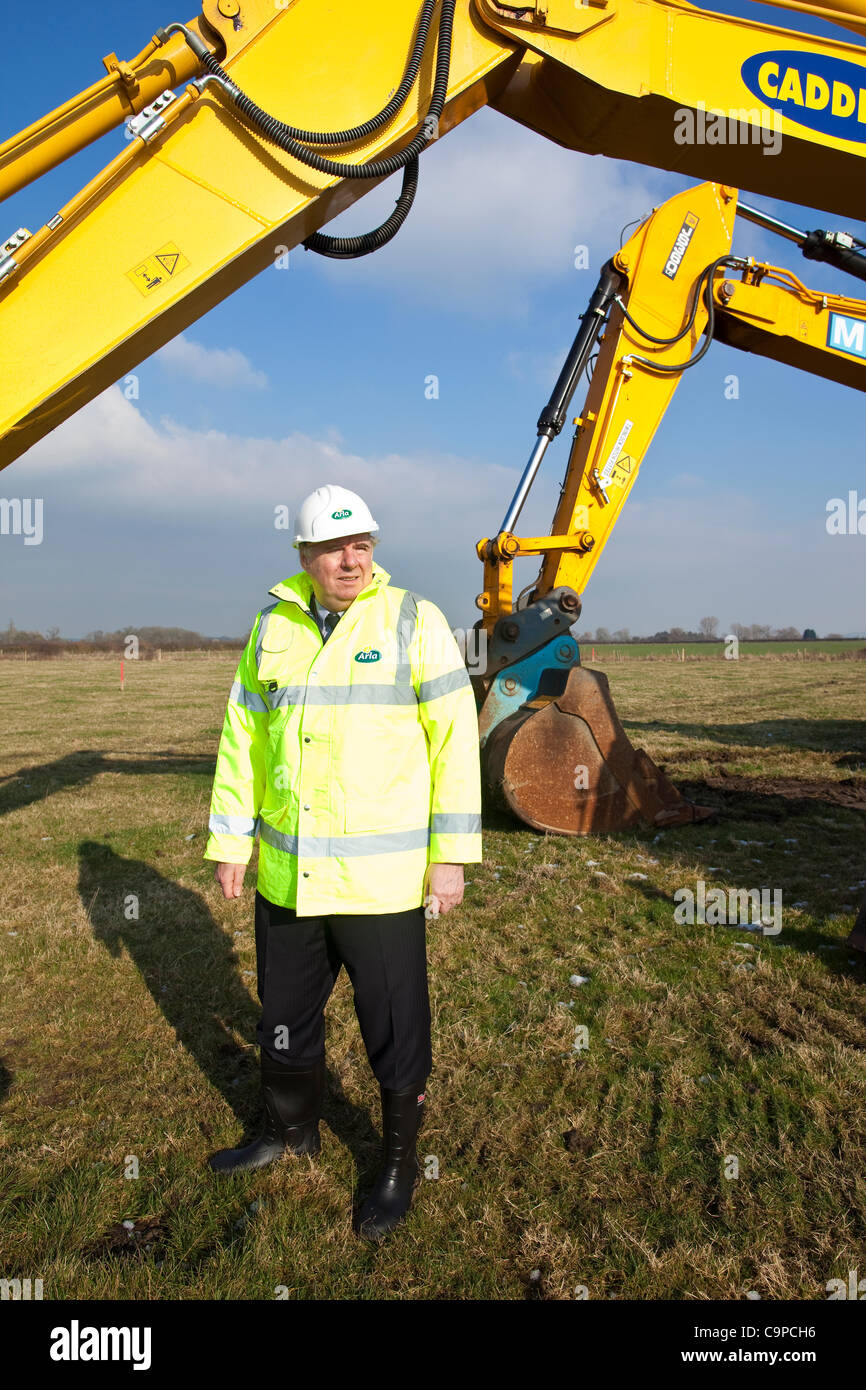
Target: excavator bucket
{"x": 564, "y": 763}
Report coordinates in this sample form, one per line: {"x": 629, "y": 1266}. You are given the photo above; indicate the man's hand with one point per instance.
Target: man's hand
{"x": 445, "y": 888}
{"x": 230, "y": 878}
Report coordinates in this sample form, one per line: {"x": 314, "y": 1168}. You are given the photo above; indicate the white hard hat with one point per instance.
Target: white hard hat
{"x": 331, "y": 512}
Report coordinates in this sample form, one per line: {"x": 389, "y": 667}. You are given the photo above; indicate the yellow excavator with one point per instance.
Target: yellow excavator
{"x": 554, "y": 750}
{"x": 214, "y": 185}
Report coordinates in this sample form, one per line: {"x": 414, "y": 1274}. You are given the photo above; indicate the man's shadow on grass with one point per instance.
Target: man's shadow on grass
{"x": 191, "y": 969}
{"x": 38, "y": 781}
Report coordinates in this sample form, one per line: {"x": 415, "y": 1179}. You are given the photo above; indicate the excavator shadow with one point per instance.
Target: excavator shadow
{"x": 847, "y": 737}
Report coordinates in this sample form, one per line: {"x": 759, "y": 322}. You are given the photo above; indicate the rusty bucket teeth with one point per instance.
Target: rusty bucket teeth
{"x": 564, "y": 763}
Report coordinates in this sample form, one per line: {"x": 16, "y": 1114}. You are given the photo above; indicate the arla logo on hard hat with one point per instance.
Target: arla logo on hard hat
{"x": 323, "y": 516}
{"x": 368, "y": 654}
{"x": 819, "y": 91}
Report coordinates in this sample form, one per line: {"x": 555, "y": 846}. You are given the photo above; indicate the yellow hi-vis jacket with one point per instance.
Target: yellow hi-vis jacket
{"x": 355, "y": 761}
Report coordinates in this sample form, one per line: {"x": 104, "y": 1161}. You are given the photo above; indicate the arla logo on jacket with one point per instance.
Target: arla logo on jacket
{"x": 826, "y": 94}
{"x": 341, "y": 514}
{"x": 368, "y": 654}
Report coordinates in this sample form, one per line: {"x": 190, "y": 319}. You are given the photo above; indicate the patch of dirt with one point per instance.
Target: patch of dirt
{"x": 147, "y": 1233}
{"x": 577, "y": 1142}
{"x": 783, "y": 796}
{"x": 848, "y": 791}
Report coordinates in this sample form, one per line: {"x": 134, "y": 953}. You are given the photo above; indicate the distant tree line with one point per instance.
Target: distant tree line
{"x": 708, "y": 632}
{"x": 181, "y": 639}
{"x": 150, "y": 640}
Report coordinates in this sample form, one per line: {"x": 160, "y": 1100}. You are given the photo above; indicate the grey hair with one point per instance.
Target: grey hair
{"x": 303, "y": 545}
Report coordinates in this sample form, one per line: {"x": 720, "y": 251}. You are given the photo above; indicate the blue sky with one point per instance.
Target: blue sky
{"x": 159, "y": 510}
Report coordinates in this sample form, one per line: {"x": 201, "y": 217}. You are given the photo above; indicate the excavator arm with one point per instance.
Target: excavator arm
{"x": 656, "y": 294}
{"x": 202, "y": 197}
{"x": 554, "y": 749}
{"x": 214, "y": 186}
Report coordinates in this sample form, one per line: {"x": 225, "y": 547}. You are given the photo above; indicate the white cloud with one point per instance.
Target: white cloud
{"x": 498, "y": 213}
{"x": 671, "y": 559}
{"x": 109, "y": 460}
{"x": 223, "y": 367}
{"x": 111, "y": 454}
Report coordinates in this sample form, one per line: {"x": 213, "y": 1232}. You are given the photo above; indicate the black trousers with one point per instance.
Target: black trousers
{"x": 298, "y": 960}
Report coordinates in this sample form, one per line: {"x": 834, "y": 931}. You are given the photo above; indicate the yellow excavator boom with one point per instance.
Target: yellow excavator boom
{"x": 201, "y": 198}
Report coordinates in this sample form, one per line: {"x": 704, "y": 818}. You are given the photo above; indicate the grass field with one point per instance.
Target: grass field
{"x": 127, "y": 1044}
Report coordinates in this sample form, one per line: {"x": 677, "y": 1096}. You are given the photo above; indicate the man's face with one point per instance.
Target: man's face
{"x": 339, "y": 569}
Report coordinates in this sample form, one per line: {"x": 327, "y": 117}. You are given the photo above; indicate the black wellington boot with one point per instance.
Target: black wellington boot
{"x": 391, "y": 1197}
{"x": 293, "y": 1104}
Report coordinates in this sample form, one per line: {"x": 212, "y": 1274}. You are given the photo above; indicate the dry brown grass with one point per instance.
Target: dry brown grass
{"x": 602, "y": 1167}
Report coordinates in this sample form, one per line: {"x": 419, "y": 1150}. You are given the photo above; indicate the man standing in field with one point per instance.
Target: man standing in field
{"x": 350, "y": 747}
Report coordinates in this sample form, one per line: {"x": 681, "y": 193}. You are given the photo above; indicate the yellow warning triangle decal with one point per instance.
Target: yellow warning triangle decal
{"x": 169, "y": 261}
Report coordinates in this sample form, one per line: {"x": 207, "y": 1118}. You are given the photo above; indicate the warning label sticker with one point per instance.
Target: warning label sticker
{"x": 163, "y": 265}
{"x": 619, "y": 471}
{"x": 610, "y": 461}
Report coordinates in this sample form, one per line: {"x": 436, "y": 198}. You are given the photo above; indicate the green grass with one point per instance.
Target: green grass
{"x": 126, "y": 1038}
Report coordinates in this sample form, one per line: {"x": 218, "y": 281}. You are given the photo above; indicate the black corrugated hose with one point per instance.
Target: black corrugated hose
{"x": 360, "y": 132}
{"x": 288, "y": 137}
{"x": 347, "y": 248}
{"x": 707, "y": 275}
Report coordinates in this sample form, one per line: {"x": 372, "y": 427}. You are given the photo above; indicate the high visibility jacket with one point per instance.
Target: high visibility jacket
{"x": 355, "y": 761}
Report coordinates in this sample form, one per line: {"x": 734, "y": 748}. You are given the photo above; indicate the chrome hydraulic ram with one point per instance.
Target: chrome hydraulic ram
{"x": 552, "y": 417}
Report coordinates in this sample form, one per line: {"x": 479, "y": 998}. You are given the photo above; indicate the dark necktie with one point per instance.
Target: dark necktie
{"x": 325, "y": 621}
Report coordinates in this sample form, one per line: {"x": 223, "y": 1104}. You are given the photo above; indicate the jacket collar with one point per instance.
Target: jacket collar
{"x": 299, "y": 587}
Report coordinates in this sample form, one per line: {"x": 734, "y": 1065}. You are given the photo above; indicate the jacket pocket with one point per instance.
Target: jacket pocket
{"x": 275, "y": 643}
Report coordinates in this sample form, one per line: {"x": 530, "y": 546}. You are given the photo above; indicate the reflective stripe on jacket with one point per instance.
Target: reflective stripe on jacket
{"x": 356, "y": 761}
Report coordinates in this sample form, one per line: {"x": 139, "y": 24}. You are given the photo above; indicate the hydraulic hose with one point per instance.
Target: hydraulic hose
{"x": 284, "y": 137}
{"x": 344, "y": 248}
{"x": 687, "y": 327}
{"x": 361, "y": 132}
{"x": 289, "y": 138}
{"x": 707, "y": 274}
